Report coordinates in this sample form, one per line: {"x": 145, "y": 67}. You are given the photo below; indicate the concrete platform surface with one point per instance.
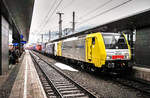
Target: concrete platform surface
{"x": 27, "y": 83}
{"x": 7, "y": 80}
{"x": 142, "y": 73}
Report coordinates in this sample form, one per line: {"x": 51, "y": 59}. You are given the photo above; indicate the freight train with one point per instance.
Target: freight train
{"x": 95, "y": 51}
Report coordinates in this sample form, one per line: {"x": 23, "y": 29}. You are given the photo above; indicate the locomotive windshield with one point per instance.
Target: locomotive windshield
{"x": 114, "y": 41}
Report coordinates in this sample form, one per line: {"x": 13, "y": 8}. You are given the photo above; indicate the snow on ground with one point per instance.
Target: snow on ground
{"x": 65, "y": 67}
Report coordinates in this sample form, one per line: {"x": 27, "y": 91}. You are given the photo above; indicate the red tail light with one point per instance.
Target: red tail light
{"x": 117, "y": 57}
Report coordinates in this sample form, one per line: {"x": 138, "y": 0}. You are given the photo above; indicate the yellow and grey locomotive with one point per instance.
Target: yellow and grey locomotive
{"x": 97, "y": 50}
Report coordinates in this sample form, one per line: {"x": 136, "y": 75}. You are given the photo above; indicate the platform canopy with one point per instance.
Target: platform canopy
{"x": 21, "y": 12}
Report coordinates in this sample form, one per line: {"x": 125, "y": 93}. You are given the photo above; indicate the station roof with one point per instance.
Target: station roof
{"x": 21, "y": 12}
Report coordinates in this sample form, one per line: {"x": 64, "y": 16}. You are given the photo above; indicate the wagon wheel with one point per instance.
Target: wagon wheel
{"x": 82, "y": 66}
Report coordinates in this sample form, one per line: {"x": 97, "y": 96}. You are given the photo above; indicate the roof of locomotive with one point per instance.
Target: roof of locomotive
{"x": 109, "y": 33}
{"x": 83, "y": 36}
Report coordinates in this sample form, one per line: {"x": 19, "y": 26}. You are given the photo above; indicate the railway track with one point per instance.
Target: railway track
{"x": 129, "y": 82}
{"x": 56, "y": 84}
{"x": 132, "y": 83}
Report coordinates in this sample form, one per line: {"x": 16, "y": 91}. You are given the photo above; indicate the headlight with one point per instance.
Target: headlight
{"x": 126, "y": 55}
{"x": 109, "y": 57}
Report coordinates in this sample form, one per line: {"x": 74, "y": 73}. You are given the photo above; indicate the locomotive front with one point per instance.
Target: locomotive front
{"x": 118, "y": 52}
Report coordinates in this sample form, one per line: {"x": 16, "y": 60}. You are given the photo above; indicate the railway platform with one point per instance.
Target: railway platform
{"x": 142, "y": 73}
{"x": 27, "y": 83}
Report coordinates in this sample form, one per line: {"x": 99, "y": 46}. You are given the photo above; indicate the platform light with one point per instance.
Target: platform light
{"x": 15, "y": 44}
{"x": 21, "y": 36}
{"x": 23, "y": 42}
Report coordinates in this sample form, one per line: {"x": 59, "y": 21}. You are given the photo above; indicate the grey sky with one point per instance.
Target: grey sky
{"x": 89, "y": 13}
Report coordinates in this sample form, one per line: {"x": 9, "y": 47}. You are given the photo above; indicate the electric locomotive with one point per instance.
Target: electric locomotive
{"x": 104, "y": 51}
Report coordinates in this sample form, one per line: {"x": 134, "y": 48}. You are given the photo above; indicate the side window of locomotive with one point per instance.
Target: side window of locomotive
{"x": 93, "y": 40}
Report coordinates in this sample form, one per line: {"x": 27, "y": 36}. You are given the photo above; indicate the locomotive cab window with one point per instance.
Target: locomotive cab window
{"x": 121, "y": 39}
{"x": 93, "y": 40}
{"x": 113, "y": 41}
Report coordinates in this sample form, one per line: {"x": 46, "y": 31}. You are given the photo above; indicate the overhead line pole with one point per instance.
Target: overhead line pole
{"x": 42, "y": 37}
{"x": 73, "y": 22}
{"x": 45, "y": 23}
{"x": 49, "y": 36}
{"x": 60, "y": 24}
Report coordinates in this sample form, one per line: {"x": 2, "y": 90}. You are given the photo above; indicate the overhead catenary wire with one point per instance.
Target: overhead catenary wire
{"x": 52, "y": 14}
{"x": 44, "y": 22}
{"x": 46, "y": 16}
{"x": 93, "y": 17}
{"x": 67, "y": 5}
{"x": 95, "y": 9}
{"x": 88, "y": 19}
